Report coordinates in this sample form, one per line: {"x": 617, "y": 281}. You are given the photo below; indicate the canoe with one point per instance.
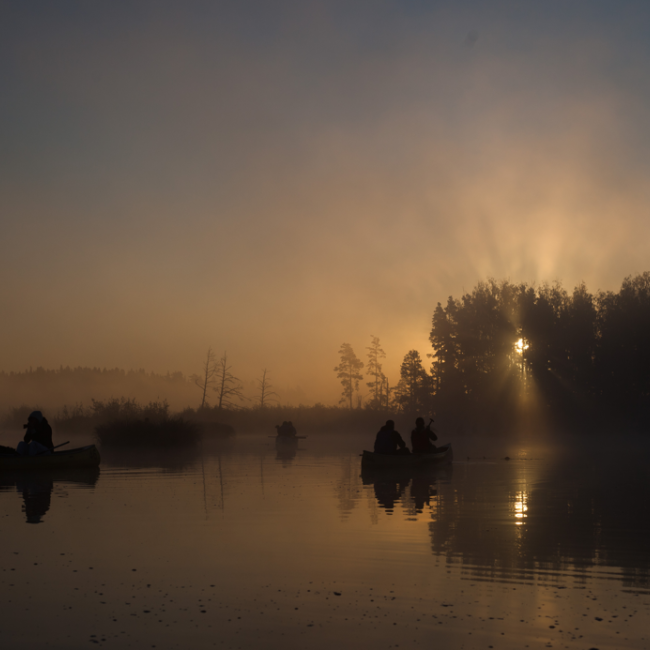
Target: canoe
{"x": 82, "y": 457}
{"x": 286, "y": 441}
{"x": 442, "y": 456}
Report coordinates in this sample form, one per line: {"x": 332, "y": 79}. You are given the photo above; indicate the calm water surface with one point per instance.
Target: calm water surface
{"x": 246, "y": 546}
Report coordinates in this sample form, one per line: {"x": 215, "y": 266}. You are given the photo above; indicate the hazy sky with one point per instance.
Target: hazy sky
{"x": 277, "y": 178}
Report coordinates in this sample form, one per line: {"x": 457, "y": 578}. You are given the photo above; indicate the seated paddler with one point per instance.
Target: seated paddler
{"x": 389, "y": 441}
{"x": 38, "y": 437}
{"x": 286, "y": 429}
{"x": 422, "y": 438}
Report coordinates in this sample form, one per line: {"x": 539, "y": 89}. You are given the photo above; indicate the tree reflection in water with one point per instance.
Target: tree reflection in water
{"x": 412, "y": 487}
{"x": 286, "y": 449}
{"x": 522, "y": 520}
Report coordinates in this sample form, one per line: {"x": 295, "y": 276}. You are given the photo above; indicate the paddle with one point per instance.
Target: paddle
{"x": 290, "y": 437}
{"x": 53, "y": 448}
{"x": 435, "y": 433}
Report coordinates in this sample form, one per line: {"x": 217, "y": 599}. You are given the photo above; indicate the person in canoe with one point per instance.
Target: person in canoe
{"x": 389, "y": 441}
{"x": 422, "y": 438}
{"x": 286, "y": 430}
{"x": 38, "y": 437}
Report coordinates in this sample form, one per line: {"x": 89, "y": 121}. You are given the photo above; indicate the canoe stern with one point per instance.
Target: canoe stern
{"x": 83, "y": 457}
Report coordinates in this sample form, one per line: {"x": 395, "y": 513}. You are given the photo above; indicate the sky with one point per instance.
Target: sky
{"x": 276, "y": 179}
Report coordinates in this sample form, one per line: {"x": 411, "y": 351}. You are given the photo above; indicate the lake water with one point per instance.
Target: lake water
{"x": 239, "y": 545}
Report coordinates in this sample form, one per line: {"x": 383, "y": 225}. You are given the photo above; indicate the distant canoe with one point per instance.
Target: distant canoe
{"x": 286, "y": 440}
{"x": 442, "y": 456}
{"x": 82, "y": 457}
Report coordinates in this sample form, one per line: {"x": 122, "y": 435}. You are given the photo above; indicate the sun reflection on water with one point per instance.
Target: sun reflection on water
{"x": 520, "y": 506}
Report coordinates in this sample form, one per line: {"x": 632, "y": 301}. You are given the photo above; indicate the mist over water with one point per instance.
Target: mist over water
{"x": 242, "y": 542}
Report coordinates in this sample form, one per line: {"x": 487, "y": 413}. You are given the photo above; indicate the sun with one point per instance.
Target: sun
{"x": 521, "y": 345}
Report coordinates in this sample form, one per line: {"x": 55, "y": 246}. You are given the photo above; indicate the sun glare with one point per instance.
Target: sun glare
{"x": 521, "y": 345}
{"x": 520, "y": 507}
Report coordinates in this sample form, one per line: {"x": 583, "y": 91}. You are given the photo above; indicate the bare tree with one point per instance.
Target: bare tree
{"x": 208, "y": 378}
{"x": 228, "y": 386}
{"x": 265, "y": 393}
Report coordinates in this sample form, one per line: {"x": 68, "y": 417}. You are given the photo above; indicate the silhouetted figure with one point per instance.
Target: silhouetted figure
{"x": 38, "y": 437}
{"x": 421, "y": 438}
{"x": 389, "y": 441}
{"x": 286, "y": 429}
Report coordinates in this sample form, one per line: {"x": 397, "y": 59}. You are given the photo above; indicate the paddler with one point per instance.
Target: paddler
{"x": 38, "y": 437}
{"x": 286, "y": 429}
{"x": 389, "y": 441}
{"x": 422, "y": 437}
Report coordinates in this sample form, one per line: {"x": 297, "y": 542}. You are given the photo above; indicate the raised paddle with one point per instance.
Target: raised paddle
{"x": 289, "y": 437}
{"x": 53, "y": 448}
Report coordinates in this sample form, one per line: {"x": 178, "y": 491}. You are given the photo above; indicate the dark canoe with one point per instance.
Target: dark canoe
{"x": 443, "y": 456}
{"x": 289, "y": 441}
{"x": 82, "y": 457}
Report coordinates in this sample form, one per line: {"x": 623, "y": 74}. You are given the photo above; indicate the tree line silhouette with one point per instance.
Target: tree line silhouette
{"x": 413, "y": 392}
{"x": 500, "y": 353}
{"x": 582, "y": 357}
{"x": 504, "y": 348}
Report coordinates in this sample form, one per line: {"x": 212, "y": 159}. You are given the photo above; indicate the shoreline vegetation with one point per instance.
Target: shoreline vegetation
{"x": 125, "y": 422}
{"x": 504, "y": 358}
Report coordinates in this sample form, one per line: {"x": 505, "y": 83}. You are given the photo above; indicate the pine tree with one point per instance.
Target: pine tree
{"x": 374, "y": 370}
{"x": 348, "y": 372}
{"x": 413, "y": 392}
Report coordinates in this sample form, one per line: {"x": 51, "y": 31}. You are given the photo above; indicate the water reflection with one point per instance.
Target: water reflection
{"x": 519, "y": 506}
{"x": 254, "y": 551}
{"x": 167, "y": 459}
{"x": 504, "y": 521}
{"x": 37, "y": 494}
{"x": 413, "y": 488}
{"x": 286, "y": 449}
{"x": 36, "y": 487}
{"x": 510, "y": 520}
